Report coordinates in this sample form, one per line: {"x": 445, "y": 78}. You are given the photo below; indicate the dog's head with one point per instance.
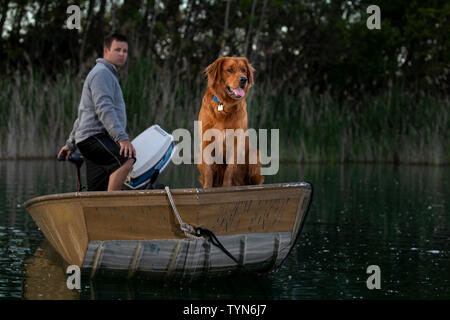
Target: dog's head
{"x": 230, "y": 76}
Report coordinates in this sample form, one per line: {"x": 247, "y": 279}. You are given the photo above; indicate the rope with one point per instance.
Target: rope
{"x": 218, "y": 244}
{"x": 188, "y": 230}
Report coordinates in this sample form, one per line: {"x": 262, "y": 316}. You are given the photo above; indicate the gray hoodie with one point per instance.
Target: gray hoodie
{"x": 101, "y": 108}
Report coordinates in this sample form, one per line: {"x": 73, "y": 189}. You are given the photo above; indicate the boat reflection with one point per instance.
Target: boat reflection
{"x": 45, "y": 277}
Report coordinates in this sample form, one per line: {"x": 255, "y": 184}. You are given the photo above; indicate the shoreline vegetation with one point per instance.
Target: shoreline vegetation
{"x": 394, "y": 126}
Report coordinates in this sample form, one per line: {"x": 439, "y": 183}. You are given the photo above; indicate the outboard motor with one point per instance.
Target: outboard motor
{"x": 154, "y": 150}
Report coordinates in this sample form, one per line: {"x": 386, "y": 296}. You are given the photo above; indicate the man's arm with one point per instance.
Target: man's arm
{"x": 70, "y": 143}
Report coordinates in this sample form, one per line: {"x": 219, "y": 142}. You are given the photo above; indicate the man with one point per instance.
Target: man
{"x": 99, "y": 131}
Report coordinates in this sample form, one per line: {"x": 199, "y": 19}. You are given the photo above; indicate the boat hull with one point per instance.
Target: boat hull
{"x": 186, "y": 259}
{"x": 126, "y": 233}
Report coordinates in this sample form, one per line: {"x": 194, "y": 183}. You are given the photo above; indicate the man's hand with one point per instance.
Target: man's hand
{"x": 127, "y": 148}
{"x": 64, "y": 153}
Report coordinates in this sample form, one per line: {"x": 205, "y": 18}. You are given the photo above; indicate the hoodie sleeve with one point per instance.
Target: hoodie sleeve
{"x": 70, "y": 143}
{"x": 102, "y": 89}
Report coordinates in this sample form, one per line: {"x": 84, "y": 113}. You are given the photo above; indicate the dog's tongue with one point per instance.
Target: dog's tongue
{"x": 239, "y": 92}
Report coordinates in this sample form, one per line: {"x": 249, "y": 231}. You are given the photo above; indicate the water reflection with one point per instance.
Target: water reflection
{"x": 394, "y": 217}
{"x": 45, "y": 277}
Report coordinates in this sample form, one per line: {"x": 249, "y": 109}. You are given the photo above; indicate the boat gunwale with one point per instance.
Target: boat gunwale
{"x": 181, "y": 191}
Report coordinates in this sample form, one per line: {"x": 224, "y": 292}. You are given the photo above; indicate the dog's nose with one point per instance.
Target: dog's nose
{"x": 242, "y": 81}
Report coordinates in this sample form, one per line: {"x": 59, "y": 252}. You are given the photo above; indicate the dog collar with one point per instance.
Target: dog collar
{"x": 220, "y": 106}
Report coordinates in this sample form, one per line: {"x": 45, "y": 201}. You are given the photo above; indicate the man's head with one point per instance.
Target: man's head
{"x": 115, "y": 49}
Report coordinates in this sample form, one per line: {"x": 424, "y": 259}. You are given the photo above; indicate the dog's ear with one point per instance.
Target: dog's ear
{"x": 250, "y": 70}
{"x": 213, "y": 71}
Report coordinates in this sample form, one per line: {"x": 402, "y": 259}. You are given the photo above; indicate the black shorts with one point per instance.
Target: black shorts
{"x": 103, "y": 157}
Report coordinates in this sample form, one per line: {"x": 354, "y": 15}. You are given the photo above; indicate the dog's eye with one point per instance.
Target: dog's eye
{"x": 230, "y": 70}
{"x": 244, "y": 71}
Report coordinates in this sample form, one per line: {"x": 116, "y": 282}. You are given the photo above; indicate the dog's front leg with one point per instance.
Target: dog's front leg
{"x": 208, "y": 176}
{"x": 234, "y": 157}
{"x": 228, "y": 175}
{"x": 206, "y": 167}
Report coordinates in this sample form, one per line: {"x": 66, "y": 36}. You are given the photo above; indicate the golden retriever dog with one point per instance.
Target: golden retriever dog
{"x": 224, "y": 107}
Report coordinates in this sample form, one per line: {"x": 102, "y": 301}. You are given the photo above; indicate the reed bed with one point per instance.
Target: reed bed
{"x": 394, "y": 126}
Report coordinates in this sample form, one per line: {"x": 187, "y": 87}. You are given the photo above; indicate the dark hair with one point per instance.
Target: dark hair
{"x": 115, "y": 36}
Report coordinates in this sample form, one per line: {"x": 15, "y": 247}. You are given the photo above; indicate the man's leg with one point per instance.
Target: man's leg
{"x": 97, "y": 177}
{"x": 118, "y": 177}
{"x": 104, "y": 152}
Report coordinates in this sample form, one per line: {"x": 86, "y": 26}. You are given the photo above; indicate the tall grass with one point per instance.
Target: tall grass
{"x": 394, "y": 126}
{"x": 38, "y": 114}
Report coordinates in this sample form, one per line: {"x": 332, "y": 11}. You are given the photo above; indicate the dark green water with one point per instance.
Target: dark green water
{"x": 395, "y": 217}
